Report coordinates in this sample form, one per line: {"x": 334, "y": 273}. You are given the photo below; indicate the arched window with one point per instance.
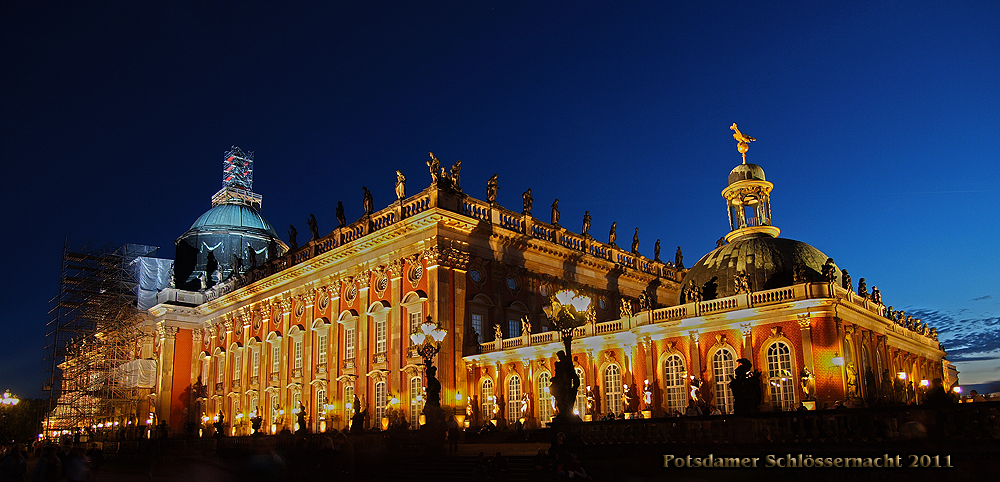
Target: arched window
{"x": 486, "y": 399}
{"x": 779, "y": 370}
{"x": 613, "y": 388}
{"x": 544, "y": 397}
{"x": 381, "y": 400}
{"x": 723, "y": 364}
{"x": 416, "y": 400}
{"x": 513, "y": 398}
{"x": 348, "y": 403}
{"x": 580, "y": 405}
{"x": 675, "y": 383}
{"x": 320, "y": 403}
{"x": 275, "y": 407}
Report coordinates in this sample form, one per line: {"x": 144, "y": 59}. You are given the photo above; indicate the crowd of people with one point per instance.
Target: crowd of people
{"x": 56, "y": 463}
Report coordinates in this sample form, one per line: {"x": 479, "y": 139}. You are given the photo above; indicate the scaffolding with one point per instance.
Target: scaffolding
{"x": 94, "y": 339}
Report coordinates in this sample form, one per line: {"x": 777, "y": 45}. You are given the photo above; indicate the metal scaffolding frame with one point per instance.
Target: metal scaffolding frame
{"x": 94, "y": 332}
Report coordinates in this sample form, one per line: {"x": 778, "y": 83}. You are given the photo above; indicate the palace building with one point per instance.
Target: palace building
{"x": 254, "y": 326}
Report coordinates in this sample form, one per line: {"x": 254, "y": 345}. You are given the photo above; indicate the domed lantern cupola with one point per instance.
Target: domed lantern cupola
{"x": 748, "y": 196}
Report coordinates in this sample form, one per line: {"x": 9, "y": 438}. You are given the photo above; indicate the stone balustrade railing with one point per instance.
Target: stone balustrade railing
{"x": 433, "y": 197}
{"x": 740, "y": 301}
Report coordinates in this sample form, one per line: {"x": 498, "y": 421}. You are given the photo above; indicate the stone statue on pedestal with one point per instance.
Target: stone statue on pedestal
{"x": 528, "y": 200}
{"x": 586, "y": 224}
{"x": 491, "y": 190}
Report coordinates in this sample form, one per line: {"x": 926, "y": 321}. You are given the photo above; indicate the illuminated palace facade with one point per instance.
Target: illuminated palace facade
{"x": 320, "y": 324}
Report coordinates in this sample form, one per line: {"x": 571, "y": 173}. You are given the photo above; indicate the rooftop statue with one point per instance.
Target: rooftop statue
{"x": 456, "y": 178}
{"x": 292, "y": 234}
{"x": 251, "y": 256}
{"x": 845, "y": 279}
{"x": 656, "y": 251}
{"x": 742, "y": 141}
{"x": 635, "y": 242}
{"x": 313, "y": 227}
{"x": 340, "y": 214}
{"x": 555, "y": 212}
{"x": 679, "y": 258}
{"x": 586, "y": 224}
{"x": 742, "y": 281}
{"x": 720, "y": 242}
{"x": 799, "y": 273}
{"x": 528, "y": 200}
{"x": 613, "y": 235}
{"x": 367, "y": 202}
{"x": 497, "y": 332}
{"x": 435, "y": 166}
{"x": 829, "y": 271}
{"x": 862, "y": 288}
{"x": 876, "y": 295}
{"x": 400, "y": 185}
{"x": 491, "y": 190}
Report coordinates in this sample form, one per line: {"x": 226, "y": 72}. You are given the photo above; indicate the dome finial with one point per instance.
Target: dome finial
{"x": 743, "y": 141}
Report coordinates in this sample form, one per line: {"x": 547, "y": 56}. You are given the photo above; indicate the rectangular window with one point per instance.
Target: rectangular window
{"x": 477, "y": 326}
{"x": 321, "y": 357}
{"x": 513, "y": 328}
{"x": 237, "y": 362}
{"x": 348, "y": 404}
{"x": 320, "y": 403}
{"x": 380, "y": 336}
{"x": 276, "y": 358}
{"x": 298, "y": 354}
{"x": 220, "y": 368}
{"x": 415, "y": 319}
{"x": 255, "y": 365}
{"x": 275, "y": 406}
{"x": 349, "y": 344}
{"x": 380, "y": 402}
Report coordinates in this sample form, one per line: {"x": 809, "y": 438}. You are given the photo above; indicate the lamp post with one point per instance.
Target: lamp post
{"x": 567, "y": 311}
{"x": 428, "y": 342}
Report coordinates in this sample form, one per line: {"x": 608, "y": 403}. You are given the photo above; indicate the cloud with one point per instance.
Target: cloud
{"x": 967, "y": 338}
{"x": 981, "y": 298}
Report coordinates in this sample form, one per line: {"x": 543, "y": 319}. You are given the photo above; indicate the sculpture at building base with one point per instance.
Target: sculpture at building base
{"x": 745, "y": 385}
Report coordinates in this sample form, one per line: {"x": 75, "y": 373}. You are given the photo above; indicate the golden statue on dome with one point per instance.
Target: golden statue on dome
{"x": 743, "y": 141}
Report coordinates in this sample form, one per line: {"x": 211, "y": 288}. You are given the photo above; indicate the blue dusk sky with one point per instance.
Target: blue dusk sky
{"x": 877, "y": 123}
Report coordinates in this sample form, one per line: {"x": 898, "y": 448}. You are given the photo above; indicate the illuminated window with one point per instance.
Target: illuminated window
{"x": 237, "y": 363}
{"x": 381, "y": 400}
{"x": 380, "y": 335}
{"x": 349, "y": 402}
{"x": 486, "y": 398}
{"x": 513, "y": 398}
{"x": 349, "y": 339}
{"x": 275, "y": 406}
{"x": 723, "y": 364}
{"x": 276, "y": 357}
{"x": 255, "y": 363}
{"x": 613, "y": 388}
{"x": 544, "y": 397}
{"x": 253, "y": 403}
{"x": 416, "y": 400}
{"x": 580, "y": 405}
{"x": 415, "y": 320}
{"x": 296, "y": 399}
{"x": 322, "y": 349}
{"x": 320, "y": 402}
{"x": 220, "y": 368}
{"x": 779, "y": 370}
{"x": 675, "y": 383}
{"x": 298, "y": 353}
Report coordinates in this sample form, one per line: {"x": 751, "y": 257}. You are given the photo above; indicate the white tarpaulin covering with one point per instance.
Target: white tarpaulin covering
{"x": 153, "y": 275}
{"x": 137, "y": 374}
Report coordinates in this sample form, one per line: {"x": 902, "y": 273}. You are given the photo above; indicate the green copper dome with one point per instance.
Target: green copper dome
{"x": 238, "y": 217}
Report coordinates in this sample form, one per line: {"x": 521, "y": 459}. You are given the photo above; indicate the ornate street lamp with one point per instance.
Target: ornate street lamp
{"x": 428, "y": 342}
{"x": 8, "y": 399}
{"x": 567, "y": 311}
